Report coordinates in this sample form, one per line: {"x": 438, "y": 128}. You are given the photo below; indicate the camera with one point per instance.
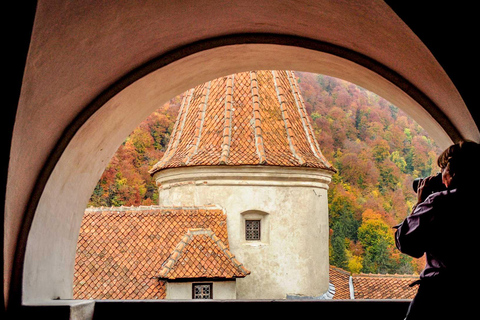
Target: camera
{"x": 435, "y": 184}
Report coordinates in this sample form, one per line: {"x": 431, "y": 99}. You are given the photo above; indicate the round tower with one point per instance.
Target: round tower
{"x": 245, "y": 142}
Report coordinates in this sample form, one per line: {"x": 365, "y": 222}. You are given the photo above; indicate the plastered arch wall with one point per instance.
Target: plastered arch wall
{"x": 95, "y": 71}
{"x": 50, "y": 251}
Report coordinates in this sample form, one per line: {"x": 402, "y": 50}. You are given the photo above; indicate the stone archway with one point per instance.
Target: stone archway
{"x": 49, "y": 257}
{"x": 52, "y": 174}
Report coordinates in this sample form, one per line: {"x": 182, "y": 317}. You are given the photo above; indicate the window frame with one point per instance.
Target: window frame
{"x": 264, "y": 227}
{"x": 210, "y": 284}
{"x": 259, "y": 229}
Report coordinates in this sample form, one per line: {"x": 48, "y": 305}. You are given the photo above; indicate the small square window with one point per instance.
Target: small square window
{"x": 252, "y": 229}
{"x": 202, "y": 291}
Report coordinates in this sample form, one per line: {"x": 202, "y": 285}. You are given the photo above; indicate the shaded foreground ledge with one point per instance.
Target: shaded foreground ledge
{"x": 138, "y": 309}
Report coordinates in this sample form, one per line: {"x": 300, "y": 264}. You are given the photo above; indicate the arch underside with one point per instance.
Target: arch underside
{"x": 85, "y": 148}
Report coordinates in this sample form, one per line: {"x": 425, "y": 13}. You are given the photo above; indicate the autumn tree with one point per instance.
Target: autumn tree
{"x": 377, "y": 149}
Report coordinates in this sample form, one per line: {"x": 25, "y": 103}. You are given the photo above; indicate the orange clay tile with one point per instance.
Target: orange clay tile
{"x": 340, "y": 279}
{"x": 121, "y": 251}
{"x": 248, "y": 118}
{"x": 372, "y": 286}
{"x": 201, "y": 254}
{"x": 129, "y": 252}
{"x": 384, "y": 286}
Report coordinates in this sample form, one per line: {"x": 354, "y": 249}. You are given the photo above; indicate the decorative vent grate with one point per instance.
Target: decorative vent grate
{"x": 202, "y": 291}
{"x": 252, "y": 229}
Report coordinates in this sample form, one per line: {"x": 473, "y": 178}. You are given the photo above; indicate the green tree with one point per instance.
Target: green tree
{"x": 338, "y": 256}
{"x": 399, "y": 161}
{"x": 376, "y": 237}
{"x": 381, "y": 150}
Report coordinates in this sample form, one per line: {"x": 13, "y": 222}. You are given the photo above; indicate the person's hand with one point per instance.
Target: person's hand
{"x": 424, "y": 189}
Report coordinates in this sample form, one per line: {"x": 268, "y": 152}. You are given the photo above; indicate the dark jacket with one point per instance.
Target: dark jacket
{"x": 445, "y": 227}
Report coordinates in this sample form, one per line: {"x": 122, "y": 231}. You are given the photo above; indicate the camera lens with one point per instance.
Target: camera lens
{"x": 435, "y": 183}
{"x": 415, "y": 184}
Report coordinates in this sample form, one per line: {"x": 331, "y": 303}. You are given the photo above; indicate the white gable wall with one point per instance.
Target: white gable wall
{"x": 183, "y": 290}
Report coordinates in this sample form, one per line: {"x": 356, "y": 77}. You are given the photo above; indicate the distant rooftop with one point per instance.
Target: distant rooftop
{"x": 248, "y": 118}
{"x": 122, "y": 250}
{"x": 372, "y": 286}
{"x": 125, "y": 252}
{"x": 384, "y": 286}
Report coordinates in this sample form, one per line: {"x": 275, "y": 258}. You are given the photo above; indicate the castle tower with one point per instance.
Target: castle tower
{"x": 244, "y": 142}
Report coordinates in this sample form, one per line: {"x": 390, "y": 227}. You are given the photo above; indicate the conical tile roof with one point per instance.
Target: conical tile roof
{"x": 248, "y": 118}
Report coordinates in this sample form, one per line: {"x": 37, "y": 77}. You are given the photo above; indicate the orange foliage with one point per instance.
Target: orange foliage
{"x": 377, "y": 149}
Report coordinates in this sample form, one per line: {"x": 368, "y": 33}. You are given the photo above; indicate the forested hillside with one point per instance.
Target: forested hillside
{"x": 376, "y": 148}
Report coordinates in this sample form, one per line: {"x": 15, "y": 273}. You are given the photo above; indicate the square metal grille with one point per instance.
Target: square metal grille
{"x": 202, "y": 291}
{"x": 252, "y": 229}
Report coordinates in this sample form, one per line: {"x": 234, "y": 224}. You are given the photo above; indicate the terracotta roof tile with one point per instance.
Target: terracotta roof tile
{"x": 120, "y": 251}
{"x": 249, "y": 118}
{"x": 201, "y": 254}
{"x": 340, "y": 279}
{"x": 381, "y": 286}
{"x": 372, "y": 286}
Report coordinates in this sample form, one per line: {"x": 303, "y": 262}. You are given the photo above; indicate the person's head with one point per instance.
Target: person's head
{"x": 460, "y": 164}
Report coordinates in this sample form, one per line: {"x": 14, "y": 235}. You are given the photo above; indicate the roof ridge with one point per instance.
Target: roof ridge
{"x": 313, "y": 143}
{"x": 227, "y": 126}
{"x": 199, "y": 124}
{"x": 338, "y": 269}
{"x": 230, "y": 255}
{"x": 386, "y": 275}
{"x": 177, "y": 252}
{"x": 152, "y": 207}
{"x": 288, "y": 126}
{"x": 257, "y": 130}
{"x": 173, "y": 146}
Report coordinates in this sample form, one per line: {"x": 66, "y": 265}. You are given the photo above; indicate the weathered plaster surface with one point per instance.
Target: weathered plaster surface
{"x": 84, "y": 55}
{"x": 292, "y": 256}
{"x": 222, "y": 290}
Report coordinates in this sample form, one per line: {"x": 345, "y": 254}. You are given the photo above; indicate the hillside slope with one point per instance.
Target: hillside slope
{"x": 377, "y": 149}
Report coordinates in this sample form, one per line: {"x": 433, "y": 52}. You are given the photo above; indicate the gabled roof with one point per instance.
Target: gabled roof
{"x": 248, "y": 118}
{"x": 121, "y": 251}
{"x": 201, "y": 254}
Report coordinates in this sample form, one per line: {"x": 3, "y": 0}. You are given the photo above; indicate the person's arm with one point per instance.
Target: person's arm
{"x": 411, "y": 235}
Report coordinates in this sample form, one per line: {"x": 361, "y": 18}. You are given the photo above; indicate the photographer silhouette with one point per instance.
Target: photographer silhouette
{"x": 443, "y": 225}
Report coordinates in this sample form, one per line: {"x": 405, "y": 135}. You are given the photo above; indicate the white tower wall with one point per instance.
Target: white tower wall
{"x": 292, "y": 205}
